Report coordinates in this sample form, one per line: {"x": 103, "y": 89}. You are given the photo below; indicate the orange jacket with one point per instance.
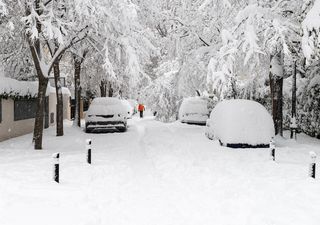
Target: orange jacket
{"x": 141, "y": 107}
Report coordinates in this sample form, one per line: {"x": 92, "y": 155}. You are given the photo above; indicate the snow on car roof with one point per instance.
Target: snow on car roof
{"x": 106, "y": 101}
{"x": 194, "y": 105}
{"x": 106, "y": 106}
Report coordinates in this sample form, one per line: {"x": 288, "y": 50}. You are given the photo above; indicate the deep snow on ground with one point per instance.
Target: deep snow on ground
{"x": 156, "y": 174}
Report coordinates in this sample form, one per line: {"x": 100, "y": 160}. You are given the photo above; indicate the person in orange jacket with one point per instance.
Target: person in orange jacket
{"x": 141, "y": 109}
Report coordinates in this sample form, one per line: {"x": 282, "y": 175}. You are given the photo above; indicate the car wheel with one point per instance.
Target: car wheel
{"x": 87, "y": 130}
{"x": 122, "y": 129}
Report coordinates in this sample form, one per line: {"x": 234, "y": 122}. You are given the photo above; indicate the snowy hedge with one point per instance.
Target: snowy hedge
{"x": 308, "y": 106}
{"x": 11, "y": 88}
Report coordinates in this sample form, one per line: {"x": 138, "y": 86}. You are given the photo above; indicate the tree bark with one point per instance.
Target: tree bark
{"x": 103, "y": 88}
{"x": 38, "y": 127}
{"x": 110, "y": 91}
{"x": 77, "y": 90}
{"x": 294, "y": 99}
{"x": 276, "y": 87}
{"x": 59, "y": 113}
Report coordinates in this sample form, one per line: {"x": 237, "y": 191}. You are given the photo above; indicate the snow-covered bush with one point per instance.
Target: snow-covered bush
{"x": 161, "y": 95}
{"x": 309, "y": 107}
{"x": 240, "y": 123}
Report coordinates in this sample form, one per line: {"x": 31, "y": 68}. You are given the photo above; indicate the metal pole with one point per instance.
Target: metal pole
{"x": 312, "y": 166}
{"x": 88, "y": 147}
{"x": 272, "y": 150}
{"x": 56, "y": 157}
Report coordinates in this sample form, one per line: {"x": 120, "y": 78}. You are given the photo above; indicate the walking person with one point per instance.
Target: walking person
{"x": 141, "y": 109}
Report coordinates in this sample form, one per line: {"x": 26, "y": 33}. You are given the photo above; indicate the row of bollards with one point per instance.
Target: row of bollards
{"x": 313, "y": 157}
{"x": 56, "y": 157}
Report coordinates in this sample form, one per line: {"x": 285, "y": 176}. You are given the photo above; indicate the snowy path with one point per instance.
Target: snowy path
{"x": 159, "y": 174}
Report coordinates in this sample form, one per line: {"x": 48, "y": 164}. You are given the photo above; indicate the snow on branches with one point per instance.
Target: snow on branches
{"x": 311, "y": 29}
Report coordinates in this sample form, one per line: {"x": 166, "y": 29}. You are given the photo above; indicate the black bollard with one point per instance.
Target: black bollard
{"x": 272, "y": 150}
{"x": 312, "y": 166}
{"x": 88, "y": 146}
{"x": 56, "y": 157}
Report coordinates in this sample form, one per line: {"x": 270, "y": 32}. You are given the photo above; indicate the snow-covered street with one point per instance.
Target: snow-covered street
{"x": 156, "y": 173}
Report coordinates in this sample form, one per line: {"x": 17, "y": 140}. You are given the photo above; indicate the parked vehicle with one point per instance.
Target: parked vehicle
{"x": 240, "y": 123}
{"x": 128, "y": 107}
{"x": 194, "y": 110}
{"x": 106, "y": 113}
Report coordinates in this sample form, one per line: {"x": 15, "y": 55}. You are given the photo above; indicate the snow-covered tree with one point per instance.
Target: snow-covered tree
{"x": 266, "y": 29}
{"x": 42, "y": 26}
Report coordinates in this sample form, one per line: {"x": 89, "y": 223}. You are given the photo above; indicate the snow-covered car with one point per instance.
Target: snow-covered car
{"x": 106, "y": 113}
{"x": 128, "y": 107}
{"x": 194, "y": 110}
{"x": 240, "y": 123}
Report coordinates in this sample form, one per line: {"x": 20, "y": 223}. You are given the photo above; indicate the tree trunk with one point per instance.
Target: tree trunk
{"x": 294, "y": 91}
{"x": 38, "y": 127}
{"x": 110, "y": 92}
{"x": 276, "y": 87}
{"x": 77, "y": 90}
{"x": 59, "y": 113}
{"x": 277, "y": 104}
{"x": 293, "y": 100}
{"x": 103, "y": 88}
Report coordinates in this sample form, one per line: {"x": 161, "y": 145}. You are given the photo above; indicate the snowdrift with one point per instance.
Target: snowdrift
{"x": 240, "y": 123}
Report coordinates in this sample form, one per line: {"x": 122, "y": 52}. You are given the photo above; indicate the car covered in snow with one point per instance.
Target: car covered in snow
{"x": 128, "y": 107}
{"x": 194, "y": 110}
{"x": 240, "y": 123}
{"x": 106, "y": 113}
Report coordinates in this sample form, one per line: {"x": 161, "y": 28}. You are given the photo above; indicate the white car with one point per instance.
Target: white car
{"x": 194, "y": 110}
{"x": 129, "y": 108}
{"x": 240, "y": 123}
{"x": 106, "y": 113}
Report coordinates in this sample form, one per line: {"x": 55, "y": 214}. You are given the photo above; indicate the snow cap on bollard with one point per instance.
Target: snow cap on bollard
{"x": 272, "y": 144}
{"x": 313, "y": 157}
{"x": 88, "y": 142}
{"x": 56, "y": 157}
{"x": 272, "y": 147}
